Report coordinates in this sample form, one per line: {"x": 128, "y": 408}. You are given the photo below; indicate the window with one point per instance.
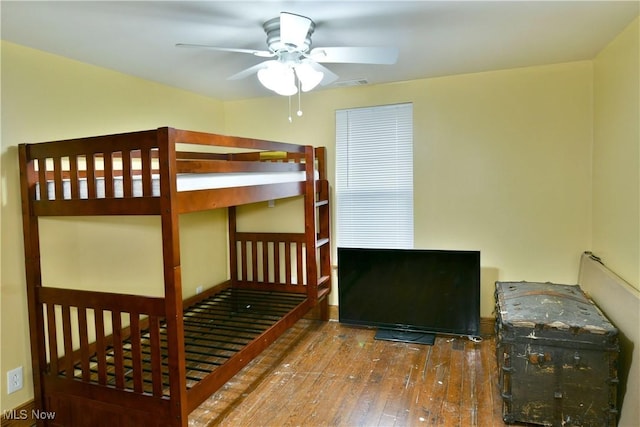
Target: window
{"x": 374, "y": 182}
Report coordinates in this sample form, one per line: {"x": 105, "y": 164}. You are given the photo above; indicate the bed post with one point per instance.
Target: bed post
{"x": 33, "y": 274}
{"x": 172, "y": 278}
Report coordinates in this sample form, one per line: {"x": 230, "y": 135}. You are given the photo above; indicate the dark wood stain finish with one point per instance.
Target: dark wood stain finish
{"x": 144, "y": 363}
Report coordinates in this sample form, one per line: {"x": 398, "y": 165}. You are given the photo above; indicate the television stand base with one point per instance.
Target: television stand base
{"x": 405, "y": 336}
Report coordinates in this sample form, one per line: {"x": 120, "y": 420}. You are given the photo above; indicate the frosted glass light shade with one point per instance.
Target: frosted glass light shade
{"x": 279, "y": 78}
{"x": 309, "y": 78}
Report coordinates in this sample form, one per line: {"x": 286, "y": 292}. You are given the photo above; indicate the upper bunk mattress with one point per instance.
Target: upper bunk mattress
{"x": 185, "y": 182}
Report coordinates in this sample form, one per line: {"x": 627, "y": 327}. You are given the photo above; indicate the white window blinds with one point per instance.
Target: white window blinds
{"x": 374, "y": 182}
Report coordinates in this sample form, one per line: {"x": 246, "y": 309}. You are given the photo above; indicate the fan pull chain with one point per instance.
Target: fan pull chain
{"x": 290, "y": 109}
{"x": 299, "y": 97}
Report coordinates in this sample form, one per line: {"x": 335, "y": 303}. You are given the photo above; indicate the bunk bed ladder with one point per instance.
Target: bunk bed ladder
{"x": 323, "y": 247}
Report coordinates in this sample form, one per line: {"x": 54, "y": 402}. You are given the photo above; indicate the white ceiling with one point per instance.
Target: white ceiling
{"x": 435, "y": 38}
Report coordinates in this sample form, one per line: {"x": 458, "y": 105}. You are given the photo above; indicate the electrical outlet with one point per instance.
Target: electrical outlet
{"x": 198, "y": 290}
{"x": 14, "y": 380}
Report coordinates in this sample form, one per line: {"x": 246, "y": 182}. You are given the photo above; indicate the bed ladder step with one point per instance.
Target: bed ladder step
{"x": 322, "y": 242}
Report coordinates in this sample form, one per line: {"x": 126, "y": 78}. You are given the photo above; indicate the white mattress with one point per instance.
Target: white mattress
{"x": 185, "y": 182}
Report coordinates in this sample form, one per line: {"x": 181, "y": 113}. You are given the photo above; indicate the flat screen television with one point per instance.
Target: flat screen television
{"x": 410, "y": 294}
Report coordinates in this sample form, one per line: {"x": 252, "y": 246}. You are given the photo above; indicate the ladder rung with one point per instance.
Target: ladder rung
{"x": 322, "y": 292}
{"x": 322, "y": 242}
{"x": 323, "y": 279}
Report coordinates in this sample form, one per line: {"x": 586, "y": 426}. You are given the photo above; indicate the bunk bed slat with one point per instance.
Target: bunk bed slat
{"x": 127, "y": 182}
{"x": 108, "y": 175}
{"x": 145, "y": 156}
{"x": 299, "y": 264}
{"x": 116, "y": 321}
{"x": 230, "y": 166}
{"x": 84, "y": 344}
{"x": 156, "y": 356}
{"x": 42, "y": 178}
{"x": 287, "y": 262}
{"x": 53, "y": 339}
{"x": 265, "y": 260}
{"x": 101, "y": 348}
{"x": 91, "y": 176}
{"x": 192, "y": 137}
{"x": 67, "y": 343}
{"x": 57, "y": 177}
{"x": 132, "y": 206}
{"x": 73, "y": 177}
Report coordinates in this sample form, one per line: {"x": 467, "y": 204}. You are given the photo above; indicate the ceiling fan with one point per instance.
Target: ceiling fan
{"x": 295, "y": 65}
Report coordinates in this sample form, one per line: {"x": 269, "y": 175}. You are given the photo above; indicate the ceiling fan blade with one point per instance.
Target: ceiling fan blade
{"x": 294, "y": 28}
{"x": 260, "y": 53}
{"x": 251, "y": 70}
{"x": 355, "y": 55}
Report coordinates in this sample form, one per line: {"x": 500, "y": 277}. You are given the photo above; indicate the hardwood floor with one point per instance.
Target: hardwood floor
{"x": 329, "y": 374}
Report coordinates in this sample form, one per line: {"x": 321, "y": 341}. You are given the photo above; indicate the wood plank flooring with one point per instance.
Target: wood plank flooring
{"x": 329, "y": 374}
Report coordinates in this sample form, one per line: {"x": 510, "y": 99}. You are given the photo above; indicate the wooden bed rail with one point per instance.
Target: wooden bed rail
{"x": 106, "y": 339}
{"x": 275, "y": 261}
{"x": 124, "y": 173}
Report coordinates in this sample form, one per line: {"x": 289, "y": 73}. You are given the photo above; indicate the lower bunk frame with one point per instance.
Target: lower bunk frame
{"x": 120, "y": 364}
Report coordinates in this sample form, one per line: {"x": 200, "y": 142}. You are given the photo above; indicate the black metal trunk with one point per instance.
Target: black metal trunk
{"x": 556, "y": 355}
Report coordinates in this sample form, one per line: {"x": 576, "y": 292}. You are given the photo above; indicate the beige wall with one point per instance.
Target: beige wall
{"x": 616, "y": 155}
{"x": 502, "y": 162}
{"x": 45, "y": 97}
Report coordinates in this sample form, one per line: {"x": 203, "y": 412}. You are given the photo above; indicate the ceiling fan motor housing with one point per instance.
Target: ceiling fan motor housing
{"x": 275, "y": 43}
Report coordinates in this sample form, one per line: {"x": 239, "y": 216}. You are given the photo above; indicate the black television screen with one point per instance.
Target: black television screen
{"x": 410, "y": 291}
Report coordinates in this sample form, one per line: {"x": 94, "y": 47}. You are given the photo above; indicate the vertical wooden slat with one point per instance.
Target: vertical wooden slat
{"x": 116, "y": 321}
{"x": 145, "y": 155}
{"x": 42, "y": 179}
{"x": 287, "y": 261}
{"x": 156, "y": 356}
{"x": 108, "y": 175}
{"x": 100, "y": 347}
{"x": 243, "y": 253}
{"x": 53, "y": 338}
{"x": 91, "y": 176}
{"x": 68, "y": 343}
{"x": 299, "y": 262}
{"x": 73, "y": 177}
{"x": 254, "y": 260}
{"x": 136, "y": 352}
{"x": 127, "y": 181}
{"x": 57, "y": 178}
{"x": 84, "y": 343}
{"x": 276, "y": 262}
{"x": 233, "y": 245}
{"x": 265, "y": 261}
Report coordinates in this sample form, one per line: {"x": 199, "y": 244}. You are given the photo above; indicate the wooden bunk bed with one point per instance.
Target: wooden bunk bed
{"x": 102, "y": 358}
